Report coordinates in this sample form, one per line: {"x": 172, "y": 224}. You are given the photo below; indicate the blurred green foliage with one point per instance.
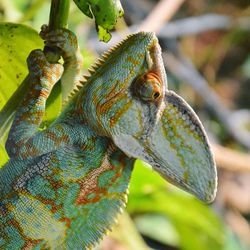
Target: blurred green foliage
{"x": 169, "y": 215}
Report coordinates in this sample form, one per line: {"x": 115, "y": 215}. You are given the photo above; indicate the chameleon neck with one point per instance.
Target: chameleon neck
{"x": 79, "y": 111}
{"x": 81, "y": 186}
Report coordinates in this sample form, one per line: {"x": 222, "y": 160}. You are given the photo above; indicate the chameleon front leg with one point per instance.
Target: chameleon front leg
{"x": 42, "y": 77}
{"x": 24, "y": 141}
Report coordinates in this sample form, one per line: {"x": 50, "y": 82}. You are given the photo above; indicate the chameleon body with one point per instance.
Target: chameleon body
{"x": 64, "y": 186}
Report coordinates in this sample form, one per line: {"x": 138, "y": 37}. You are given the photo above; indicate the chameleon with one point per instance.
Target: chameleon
{"x": 64, "y": 186}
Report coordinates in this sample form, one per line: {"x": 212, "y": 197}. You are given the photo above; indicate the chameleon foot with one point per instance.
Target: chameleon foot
{"x": 64, "y": 39}
{"x": 40, "y": 68}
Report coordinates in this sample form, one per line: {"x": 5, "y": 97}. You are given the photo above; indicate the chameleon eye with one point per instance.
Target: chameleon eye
{"x": 148, "y": 87}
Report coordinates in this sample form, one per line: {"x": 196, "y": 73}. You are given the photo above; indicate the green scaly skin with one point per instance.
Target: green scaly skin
{"x": 64, "y": 186}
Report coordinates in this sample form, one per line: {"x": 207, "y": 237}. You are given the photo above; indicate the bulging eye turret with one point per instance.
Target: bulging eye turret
{"x": 148, "y": 87}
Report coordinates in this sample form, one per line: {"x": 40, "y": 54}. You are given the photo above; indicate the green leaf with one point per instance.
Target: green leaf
{"x": 3, "y": 155}
{"x": 233, "y": 243}
{"x": 197, "y": 225}
{"x": 159, "y": 228}
{"x": 105, "y": 12}
{"x": 16, "y": 42}
{"x": 126, "y": 233}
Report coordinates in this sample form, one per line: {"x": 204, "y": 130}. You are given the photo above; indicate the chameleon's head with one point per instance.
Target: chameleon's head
{"x": 131, "y": 104}
{"x": 127, "y": 89}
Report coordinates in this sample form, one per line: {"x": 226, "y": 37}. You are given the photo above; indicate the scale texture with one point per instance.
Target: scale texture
{"x": 64, "y": 186}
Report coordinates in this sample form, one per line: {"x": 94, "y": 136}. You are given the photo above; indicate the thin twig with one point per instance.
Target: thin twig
{"x": 59, "y": 12}
{"x": 203, "y": 23}
{"x": 239, "y": 225}
{"x": 58, "y": 18}
{"x": 161, "y": 14}
{"x": 230, "y": 159}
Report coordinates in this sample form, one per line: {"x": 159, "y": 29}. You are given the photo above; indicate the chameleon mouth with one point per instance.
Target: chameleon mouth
{"x": 177, "y": 148}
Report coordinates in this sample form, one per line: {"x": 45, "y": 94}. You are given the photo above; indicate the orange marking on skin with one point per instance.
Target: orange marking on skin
{"x": 44, "y": 93}
{"x": 52, "y": 136}
{"x": 107, "y": 105}
{"x": 55, "y": 185}
{"x": 95, "y": 95}
{"x": 111, "y": 98}
{"x": 133, "y": 60}
{"x": 89, "y": 185}
{"x": 112, "y": 92}
{"x": 153, "y": 76}
{"x": 115, "y": 118}
{"x": 67, "y": 221}
{"x": 33, "y": 117}
{"x": 31, "y": 150}
{"x": 54, "y": 208}
{"x": 56, "y": 138}
{"x": 29, "y": 243}
{"x": 49, "y": 76}
{"x": 31, "y": 95}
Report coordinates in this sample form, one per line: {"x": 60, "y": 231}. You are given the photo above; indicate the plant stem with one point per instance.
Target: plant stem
{"x": 59, "y": 12}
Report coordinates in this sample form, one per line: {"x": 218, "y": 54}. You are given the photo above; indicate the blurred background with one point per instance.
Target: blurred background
{"x": 206, "y": 51}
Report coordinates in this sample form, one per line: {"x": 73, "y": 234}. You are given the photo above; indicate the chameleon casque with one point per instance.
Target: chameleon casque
{"x": 64, "y": 186}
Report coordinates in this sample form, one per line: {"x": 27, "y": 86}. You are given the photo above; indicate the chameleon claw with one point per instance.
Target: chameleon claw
{"x": 44, "y": 31}
{"x": 63, "y": 39}
{"x": 35, "y": 61}
{"x": 39, "y": 66}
